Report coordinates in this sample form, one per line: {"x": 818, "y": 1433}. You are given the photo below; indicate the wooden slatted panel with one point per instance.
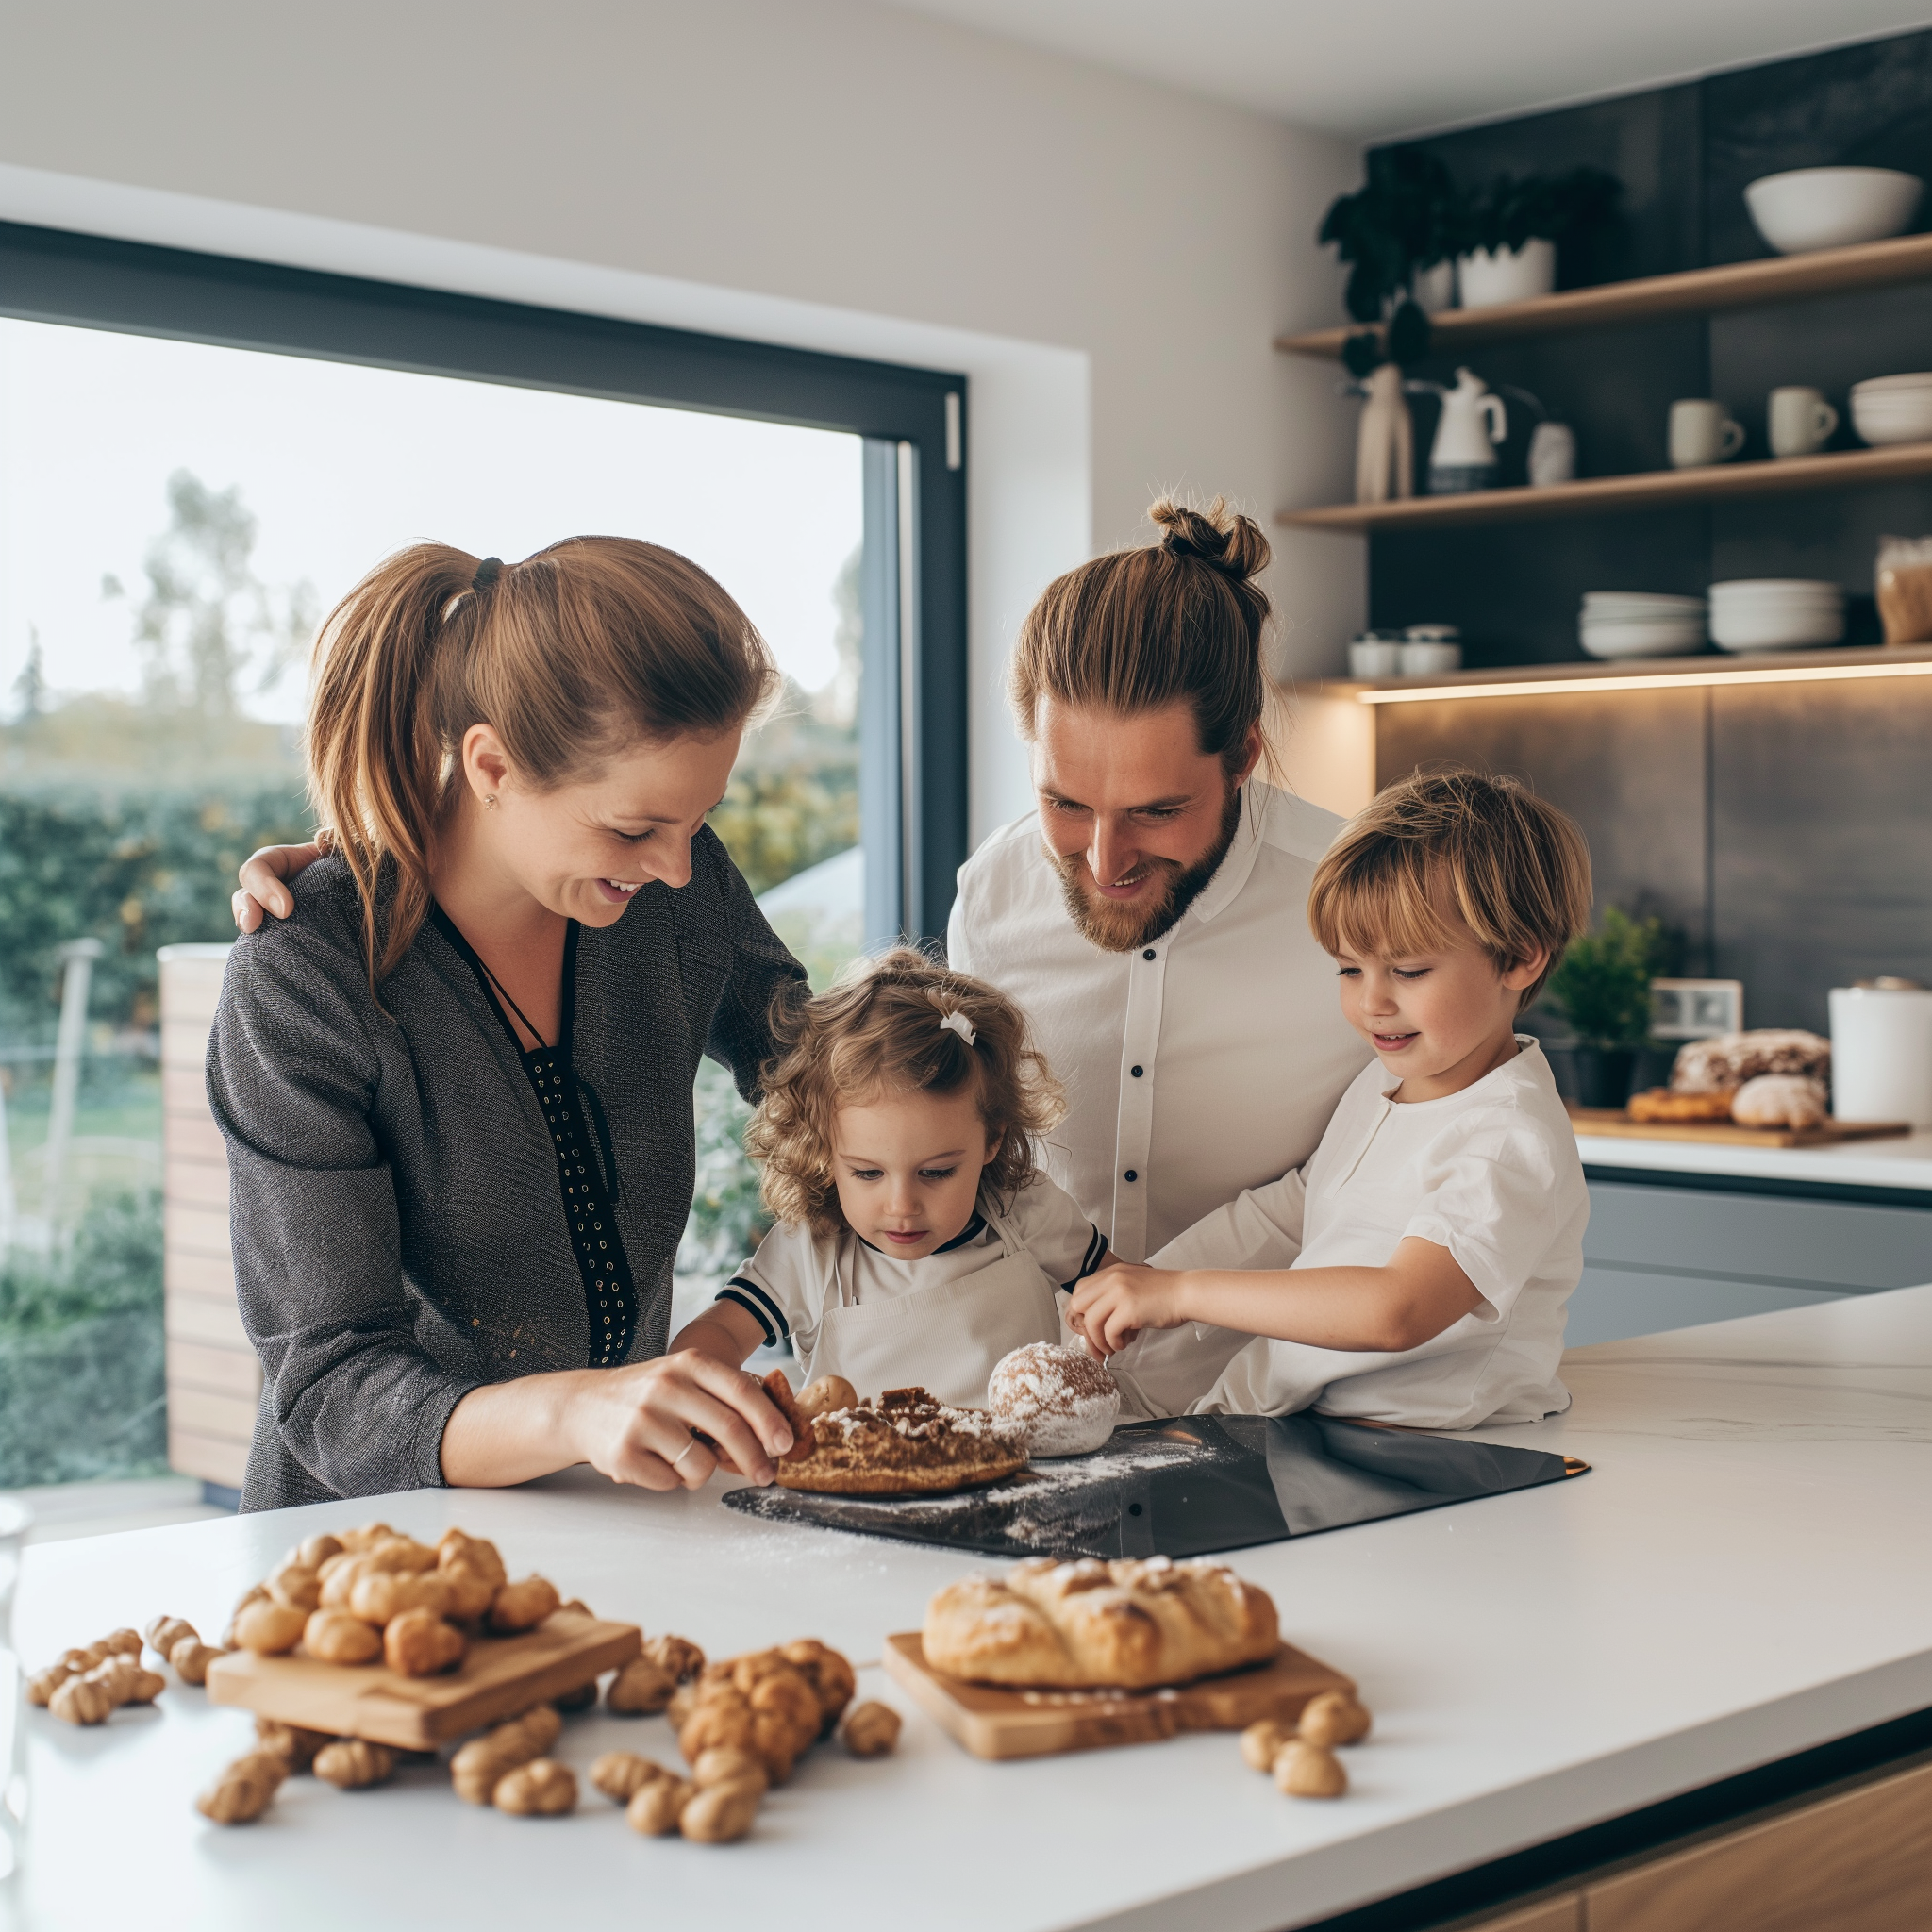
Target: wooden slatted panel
{"x": 213, "y": 1378}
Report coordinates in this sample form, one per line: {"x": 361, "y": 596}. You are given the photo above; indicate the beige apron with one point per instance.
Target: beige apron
{"x": 946, "y": 1339}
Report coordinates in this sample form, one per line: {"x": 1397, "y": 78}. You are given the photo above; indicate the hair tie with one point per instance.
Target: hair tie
{"x": 956, "y": 1022}
{"x": 487, "y": 573}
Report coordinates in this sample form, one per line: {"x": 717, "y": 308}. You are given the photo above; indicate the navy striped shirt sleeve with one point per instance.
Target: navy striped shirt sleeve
{"x": 763, "y": 1310}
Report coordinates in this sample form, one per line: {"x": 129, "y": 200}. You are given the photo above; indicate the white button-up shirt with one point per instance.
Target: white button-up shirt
{"x": 1204, "y": 1064}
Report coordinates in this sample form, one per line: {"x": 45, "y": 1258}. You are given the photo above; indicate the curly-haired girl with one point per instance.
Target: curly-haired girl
{"x": 917, "y": 1242}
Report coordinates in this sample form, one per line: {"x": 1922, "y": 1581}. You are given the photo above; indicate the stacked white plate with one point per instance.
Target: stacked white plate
{"x": 1776, "y": 613}
{"x": 1640, "y": 624}
{"x": 1894, "y": 408}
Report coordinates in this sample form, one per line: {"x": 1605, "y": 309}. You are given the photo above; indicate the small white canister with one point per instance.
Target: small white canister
{"x": 1881, "y": 1053}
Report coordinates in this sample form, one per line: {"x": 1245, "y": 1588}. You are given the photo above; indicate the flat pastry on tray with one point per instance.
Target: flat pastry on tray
{"x": 1129, "y": 1625}
{"x": 1660, "y": 1104}
{"x": 906, "y": 1444}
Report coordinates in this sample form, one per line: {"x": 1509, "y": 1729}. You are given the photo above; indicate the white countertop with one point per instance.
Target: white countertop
{"x": 1904, "y": 1161}
{"x": 1746, "y": 1573}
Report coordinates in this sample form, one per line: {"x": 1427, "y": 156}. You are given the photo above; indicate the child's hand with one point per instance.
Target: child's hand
{"x": 1109, "y": 1309}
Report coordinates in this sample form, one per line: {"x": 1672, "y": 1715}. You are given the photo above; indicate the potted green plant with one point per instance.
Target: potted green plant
{"x": 1511, "y": 232}
{"x": 1602, "y": 986}
{"x": 1405, "y": 219}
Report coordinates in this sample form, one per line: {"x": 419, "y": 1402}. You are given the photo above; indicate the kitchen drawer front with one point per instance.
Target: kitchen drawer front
{"x": 1758, "y": 1237}
{"x": 1563, "y": 1914}
{"x": 1613, "y": 1304}
{"x": 1859, "y": 1862}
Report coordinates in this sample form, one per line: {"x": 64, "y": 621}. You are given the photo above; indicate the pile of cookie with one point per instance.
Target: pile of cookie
{"x": 1301, "y": 1757}
{"x": 741, "y": 1725}
{"x": 375, "y": 1593}
{"x": 87, "y": 1685}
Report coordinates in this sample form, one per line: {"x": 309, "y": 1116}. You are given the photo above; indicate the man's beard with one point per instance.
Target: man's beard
{"x": 1118, "y": 926}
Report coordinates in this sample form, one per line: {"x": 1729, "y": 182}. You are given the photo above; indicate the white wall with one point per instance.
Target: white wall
{"x": 1105, "y": 258}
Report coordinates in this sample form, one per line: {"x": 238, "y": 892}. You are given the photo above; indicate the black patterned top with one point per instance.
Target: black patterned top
{"x": 585, "y": 1171}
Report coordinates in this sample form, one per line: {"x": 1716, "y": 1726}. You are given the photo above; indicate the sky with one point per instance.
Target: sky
{"x": 342, "y": 464}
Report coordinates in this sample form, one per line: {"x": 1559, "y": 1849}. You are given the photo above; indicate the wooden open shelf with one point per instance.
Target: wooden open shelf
{"x": 1707, "y": 667}
{"x": 1698, "y": 291}
{"x": 1647, "y": 489}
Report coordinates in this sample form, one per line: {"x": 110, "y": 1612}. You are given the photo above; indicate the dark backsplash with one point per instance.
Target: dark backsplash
{"x": 1784, "y": 830}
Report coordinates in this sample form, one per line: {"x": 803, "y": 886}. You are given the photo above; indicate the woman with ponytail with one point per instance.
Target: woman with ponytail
{"x": 456, "y": 1080}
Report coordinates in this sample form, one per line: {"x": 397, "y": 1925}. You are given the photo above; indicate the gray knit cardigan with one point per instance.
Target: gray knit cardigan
{"x": 399, "y": 1233}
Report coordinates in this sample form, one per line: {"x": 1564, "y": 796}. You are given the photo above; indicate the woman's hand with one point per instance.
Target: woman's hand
{"x": 637, "y": 1425}
{"x": 263, "y": 875}
{"x": 640, "y": 1425}
{"x": 1109, "y": 1309}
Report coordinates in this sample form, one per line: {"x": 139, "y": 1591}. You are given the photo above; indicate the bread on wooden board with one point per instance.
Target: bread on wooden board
{"x": 1129, "y": 1625}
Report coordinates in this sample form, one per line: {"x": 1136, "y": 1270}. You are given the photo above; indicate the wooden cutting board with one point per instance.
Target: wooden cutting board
{"x": 992, "y": 1723}
{"x": 501, "y": 1677}
{"x": 1615, "y": 1122}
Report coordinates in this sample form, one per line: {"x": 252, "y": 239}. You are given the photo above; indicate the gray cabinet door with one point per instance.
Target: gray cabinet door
{"x": 1672, "y": 1257}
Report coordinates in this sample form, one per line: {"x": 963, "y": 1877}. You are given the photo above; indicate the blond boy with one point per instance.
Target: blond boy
{"x": 1415, "y": 1269}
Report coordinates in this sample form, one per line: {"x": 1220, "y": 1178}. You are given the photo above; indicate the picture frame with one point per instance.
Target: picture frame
{"x": 1695, "y": 1008}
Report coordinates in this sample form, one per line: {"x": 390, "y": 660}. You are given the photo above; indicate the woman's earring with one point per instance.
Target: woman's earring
{"x": 490, "y": 799}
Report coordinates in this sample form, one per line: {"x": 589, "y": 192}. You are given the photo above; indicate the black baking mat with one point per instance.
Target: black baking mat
{"x": 1186, "y": 1488}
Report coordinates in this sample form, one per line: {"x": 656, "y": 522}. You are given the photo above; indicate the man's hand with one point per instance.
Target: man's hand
{"x": 1109, "y": 1309}
{"x": 262, "y": 876}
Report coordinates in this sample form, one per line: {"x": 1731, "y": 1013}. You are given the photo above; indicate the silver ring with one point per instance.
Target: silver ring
{"x": 688, "y": 1448}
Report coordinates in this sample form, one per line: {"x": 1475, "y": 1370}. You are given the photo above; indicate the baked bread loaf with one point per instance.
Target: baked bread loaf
{"x": 1129, "y": 1625}
{"x": 906, "y": 1444}
{"x": 1064, "y": 1398}
{"x": 1711, "y": 1066}
{"x": 1660, "y": 1104}
{"x": 1780, "y": 1100}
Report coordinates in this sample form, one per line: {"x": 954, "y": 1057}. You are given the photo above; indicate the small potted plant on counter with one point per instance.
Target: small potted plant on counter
{"x": 1511, "y": 232}
{"x": 1602, "y": 986}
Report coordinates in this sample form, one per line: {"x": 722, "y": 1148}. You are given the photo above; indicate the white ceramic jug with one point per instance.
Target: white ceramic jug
{"x": 1474, "y": 422}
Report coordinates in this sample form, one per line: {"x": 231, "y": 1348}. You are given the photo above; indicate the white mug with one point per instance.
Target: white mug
{"x": 1551, "y": 456}
{"x": 1801, "y": 422}
{"x": 1701, "y": 433}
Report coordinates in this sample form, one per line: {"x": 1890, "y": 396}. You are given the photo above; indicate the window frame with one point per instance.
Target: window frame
{"x": 85, "y": 281}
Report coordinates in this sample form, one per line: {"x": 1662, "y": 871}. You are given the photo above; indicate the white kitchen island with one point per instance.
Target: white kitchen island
{"x": 1745, "y": 1574}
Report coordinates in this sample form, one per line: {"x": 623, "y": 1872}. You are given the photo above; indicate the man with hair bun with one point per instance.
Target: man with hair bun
{"x": 1151, "y": 915}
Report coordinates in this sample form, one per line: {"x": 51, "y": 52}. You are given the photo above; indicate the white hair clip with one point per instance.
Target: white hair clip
{"x": 956, "y": 1022}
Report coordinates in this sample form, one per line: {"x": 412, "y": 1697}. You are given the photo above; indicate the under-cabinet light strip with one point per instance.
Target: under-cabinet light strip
{"x": 1663, "y": 680}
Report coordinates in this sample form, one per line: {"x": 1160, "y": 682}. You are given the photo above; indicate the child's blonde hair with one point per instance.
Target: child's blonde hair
{"x": 1515, "y": 868}
{"x": 881, "y": 1030}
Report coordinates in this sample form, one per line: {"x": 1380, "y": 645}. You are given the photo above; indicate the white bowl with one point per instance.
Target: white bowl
{"x": 1881, "y": 385}
{"x": 1832, "y": 208}
{"x": 1776, "y": 600}
{"x": 1639, "y": 639}
{"x": 1634, "y": 601}
{"x": 1774, "y": 587}
{"x": 1881, "y": 427}
{"x": 1776, "y": 630}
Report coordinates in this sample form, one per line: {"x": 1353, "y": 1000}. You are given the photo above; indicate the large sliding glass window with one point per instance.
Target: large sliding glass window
{"x": 197, "y": 457}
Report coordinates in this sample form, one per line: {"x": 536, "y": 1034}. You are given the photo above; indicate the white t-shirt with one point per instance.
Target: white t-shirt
{"x": 796, "y": 1273}
{"x": 1203, "y": 1064}
{"x": 1491, "y": 1174}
